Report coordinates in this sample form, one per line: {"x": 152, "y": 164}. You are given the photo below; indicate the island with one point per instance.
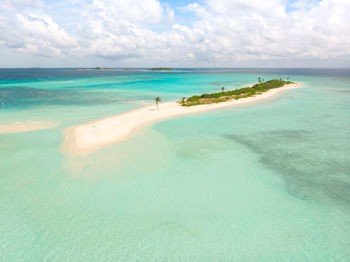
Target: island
{"x": 236, "y": 94}
{"x": 161, "y": 69}
{"x": 95, "y": 68}
{"x": 86, "y": 138}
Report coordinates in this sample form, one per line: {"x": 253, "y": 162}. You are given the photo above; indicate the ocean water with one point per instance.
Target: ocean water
{"x": 268, "y": 181}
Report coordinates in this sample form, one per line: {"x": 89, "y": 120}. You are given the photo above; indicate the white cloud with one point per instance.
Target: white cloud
{"x": 243, "y": 30}
{"x": 8, "y": 5}
{"x": 222, "y": 32}
{"x": 271, "y": 7}
{"x": 192, "y": 56}
{"x": 146, "y": 11}
{"x": 37, "y": 35}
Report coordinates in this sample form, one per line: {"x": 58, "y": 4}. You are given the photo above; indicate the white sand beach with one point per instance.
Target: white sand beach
{"x": 88, "y": 137}
{"x": 19, "y": 127}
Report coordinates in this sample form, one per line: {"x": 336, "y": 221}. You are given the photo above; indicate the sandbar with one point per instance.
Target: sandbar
{"x": 88, "y": 137}
{"x": 27, "y": 126}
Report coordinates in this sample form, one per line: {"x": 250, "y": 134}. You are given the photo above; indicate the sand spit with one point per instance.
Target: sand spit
{"x": 86, "y": 138}
{"x": 20, "y": 127}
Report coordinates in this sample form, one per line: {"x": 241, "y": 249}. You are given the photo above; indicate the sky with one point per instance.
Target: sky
{"x": 184, "y": 33}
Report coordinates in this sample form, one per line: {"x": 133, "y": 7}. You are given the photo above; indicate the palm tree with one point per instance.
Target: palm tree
{"x": 157, "y": 101}
{"x": 259, "y": 79}
{"x": 222, "y": 89}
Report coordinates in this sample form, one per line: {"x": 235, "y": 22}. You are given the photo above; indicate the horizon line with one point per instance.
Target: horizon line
{"x": 83, "y": 67}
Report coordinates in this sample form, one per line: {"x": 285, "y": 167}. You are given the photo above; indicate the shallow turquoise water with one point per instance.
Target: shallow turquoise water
{"x": 262, "y": 182}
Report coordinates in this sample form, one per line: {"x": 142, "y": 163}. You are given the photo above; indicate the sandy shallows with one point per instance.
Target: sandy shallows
{"x": 19, "y": 127}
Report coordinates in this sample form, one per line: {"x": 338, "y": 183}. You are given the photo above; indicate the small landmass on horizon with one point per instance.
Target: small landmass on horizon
{"x": 161, "y": 69}
{"x": 94, "y": 68}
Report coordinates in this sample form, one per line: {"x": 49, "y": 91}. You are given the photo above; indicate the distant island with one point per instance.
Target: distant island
{"x": 95, "y": 68}
{"x": 236, "y": 94}
{"x": 161, "y": 69}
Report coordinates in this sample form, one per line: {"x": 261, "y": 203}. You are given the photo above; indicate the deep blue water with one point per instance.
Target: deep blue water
{"x": 49, "y": 73}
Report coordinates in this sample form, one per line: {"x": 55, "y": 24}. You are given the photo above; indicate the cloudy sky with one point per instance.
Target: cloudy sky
{"x": 183, "y": 33}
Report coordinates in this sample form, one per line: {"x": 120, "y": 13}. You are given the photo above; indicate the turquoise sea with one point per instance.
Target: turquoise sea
{"x": 268, "y": 181}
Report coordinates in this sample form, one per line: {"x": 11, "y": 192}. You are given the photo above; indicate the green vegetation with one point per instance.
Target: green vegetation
{"x": 233, "y": 94}
{"x": 157, "y": 99}
{"x": 161, "y": 69}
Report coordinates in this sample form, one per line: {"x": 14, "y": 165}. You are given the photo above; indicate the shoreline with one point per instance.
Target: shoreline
{"x": 88, "y": 137}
